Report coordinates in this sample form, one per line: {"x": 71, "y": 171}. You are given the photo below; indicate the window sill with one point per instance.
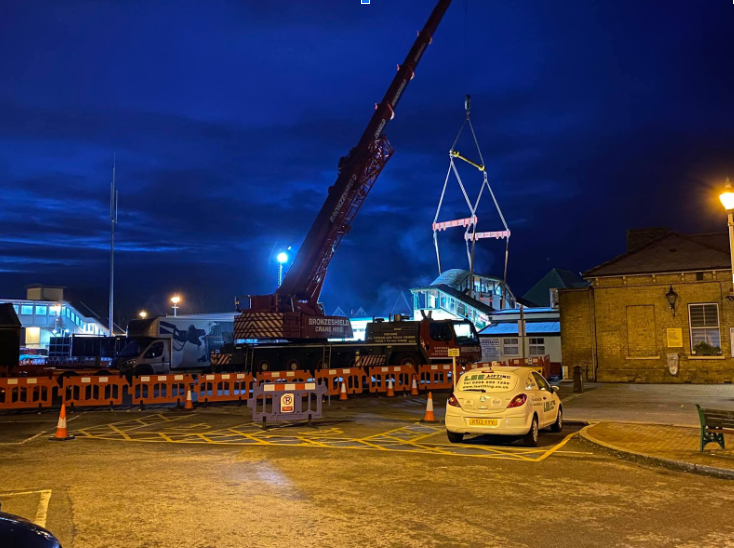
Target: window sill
{"x": 642, "y": 357}
{"x": 707, "y": 357}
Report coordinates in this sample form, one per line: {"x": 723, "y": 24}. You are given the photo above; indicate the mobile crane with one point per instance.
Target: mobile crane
{"x": 288, "y": 327}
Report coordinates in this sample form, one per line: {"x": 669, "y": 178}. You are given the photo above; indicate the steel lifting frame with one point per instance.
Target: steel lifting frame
{"x": 469, "y": 223}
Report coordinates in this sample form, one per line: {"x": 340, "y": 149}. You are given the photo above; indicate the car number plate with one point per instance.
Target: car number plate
{"x": 482, "y": 422}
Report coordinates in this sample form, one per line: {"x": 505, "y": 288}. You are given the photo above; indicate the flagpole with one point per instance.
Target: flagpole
{"x": 113, "y": 222}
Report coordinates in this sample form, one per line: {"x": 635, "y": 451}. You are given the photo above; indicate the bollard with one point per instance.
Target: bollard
{"x": 578, "y": 380}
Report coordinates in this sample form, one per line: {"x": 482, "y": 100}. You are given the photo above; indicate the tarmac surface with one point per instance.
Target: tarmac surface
{"x": 369, "y": 474}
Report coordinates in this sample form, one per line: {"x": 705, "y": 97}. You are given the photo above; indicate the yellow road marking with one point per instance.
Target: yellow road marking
{"x": 555, "y": 448}
{"x": 123, "y": 434}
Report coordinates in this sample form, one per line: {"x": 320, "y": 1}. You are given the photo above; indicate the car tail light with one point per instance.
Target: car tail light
{"x": 518, "y": 401}
{"x": 452, "y": 401}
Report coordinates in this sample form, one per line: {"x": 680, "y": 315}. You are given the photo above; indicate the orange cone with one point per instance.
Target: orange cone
{"x": 61, "y": 432}
{"x": 414, "y": 387}
{"x": 429, "y": 417}
{"x": 390, "y": 391}
{"x": 189, "y": 405}
{"x": 343, "y": 393}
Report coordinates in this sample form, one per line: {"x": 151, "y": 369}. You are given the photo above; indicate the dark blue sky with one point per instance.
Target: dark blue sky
{"x": 228, "y": 119}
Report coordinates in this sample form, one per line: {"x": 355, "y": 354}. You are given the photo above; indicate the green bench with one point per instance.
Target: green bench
{"x": 712, "y": 422}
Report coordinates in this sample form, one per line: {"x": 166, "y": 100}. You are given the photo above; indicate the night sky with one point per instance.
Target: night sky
{"x": 227, "y": 119}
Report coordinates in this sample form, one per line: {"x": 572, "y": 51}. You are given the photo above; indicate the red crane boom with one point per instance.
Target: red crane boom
{"x": 294, "y": 312}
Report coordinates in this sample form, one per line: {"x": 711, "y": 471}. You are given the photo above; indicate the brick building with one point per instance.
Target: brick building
{"x": 661, "y": 312}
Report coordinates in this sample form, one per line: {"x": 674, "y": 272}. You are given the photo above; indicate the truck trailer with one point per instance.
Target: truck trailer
{"x": 397, "y": 342}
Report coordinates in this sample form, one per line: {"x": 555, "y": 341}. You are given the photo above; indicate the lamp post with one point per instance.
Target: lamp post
{"x": 143, "y": 314}
{"x": 727, "y": 200}
{"x": 175, "y": 300}
{"x": 282, "y": 258}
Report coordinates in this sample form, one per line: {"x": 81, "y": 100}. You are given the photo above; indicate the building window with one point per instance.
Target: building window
{"x": 26, "y": 309}
{"x": 537, "y": 347}
{"x": 41, "y": 310}
{"x": 510, "y": 347}
{"x": 703, "y": 320}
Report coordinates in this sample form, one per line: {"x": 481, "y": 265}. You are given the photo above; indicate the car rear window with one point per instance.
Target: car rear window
{"x": 491, "y": 382}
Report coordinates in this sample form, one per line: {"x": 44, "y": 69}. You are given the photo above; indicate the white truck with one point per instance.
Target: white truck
{"x": 173, "y": 343}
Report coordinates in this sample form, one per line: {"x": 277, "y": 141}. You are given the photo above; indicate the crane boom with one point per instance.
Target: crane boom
{"x": 299, "y": 294}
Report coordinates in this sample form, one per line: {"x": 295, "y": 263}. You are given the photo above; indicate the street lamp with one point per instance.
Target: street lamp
{"x": 143, "y": 314}
{"x": 175, "y": 300}
{"x": 727, "y": 200}
{"x": 282, "y": 258}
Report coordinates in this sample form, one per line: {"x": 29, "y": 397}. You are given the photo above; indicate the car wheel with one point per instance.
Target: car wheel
{"x": 455, "y": 437}
{"x": 558, "y": 425}
{"x": 531, "y": 438}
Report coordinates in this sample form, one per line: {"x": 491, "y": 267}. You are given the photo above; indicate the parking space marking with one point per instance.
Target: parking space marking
{"x": 410, "y": 438}
{"x": 42, "y": 509}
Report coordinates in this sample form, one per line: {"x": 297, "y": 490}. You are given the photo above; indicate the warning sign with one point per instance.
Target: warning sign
{"x": 454, "y": 352}
{"x": 675, "y": 337}
{"x": 286, "y": 403}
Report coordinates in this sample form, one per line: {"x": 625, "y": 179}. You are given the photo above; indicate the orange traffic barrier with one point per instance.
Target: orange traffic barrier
{"x": 429, "y": 416}
{"x": 352, "y": 377}
{"x": 343, "y": 393}
{"x": 155, "y": 389}
{"x": 390, "y": 391}
{"x": 400, "y": 375}
{"x": 436, "y": 376}
{"x": 93, "y": 391}
{"x": 62, "y": 433}
{"x": 284, "y": 376}
{"x": 26, "y": 392}
{"x": 224, "y": 387}
{"x": 189, "y": 405}
{"x": 414, "y": 387}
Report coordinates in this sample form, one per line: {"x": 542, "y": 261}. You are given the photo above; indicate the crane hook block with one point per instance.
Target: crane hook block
{"x": 467, "y": 105}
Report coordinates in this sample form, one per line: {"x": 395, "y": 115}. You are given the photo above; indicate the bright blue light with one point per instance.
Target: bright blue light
{"x": 282, "y": 257}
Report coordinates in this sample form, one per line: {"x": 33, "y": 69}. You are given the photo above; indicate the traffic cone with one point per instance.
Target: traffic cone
{"x": 343, "y": 393}
{"x": 390, "y": 391}
{"x": 189, "y": 405}
{"x": 429, "y": 417}
{"x": 414, "y": 388}
{"x": 61, "y": 432}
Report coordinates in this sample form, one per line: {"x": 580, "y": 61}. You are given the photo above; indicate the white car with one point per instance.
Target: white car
{"x": 513, "y": 401}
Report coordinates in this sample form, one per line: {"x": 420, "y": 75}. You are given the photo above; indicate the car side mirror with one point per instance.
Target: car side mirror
{"x": 556, "y": 389}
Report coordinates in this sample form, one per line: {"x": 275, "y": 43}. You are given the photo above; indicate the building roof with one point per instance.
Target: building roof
{"x": 539, "y": 294}
{"x": 455, "y": 276}
{"x": 531, "y": 328}
{"x": 671, "y": 252}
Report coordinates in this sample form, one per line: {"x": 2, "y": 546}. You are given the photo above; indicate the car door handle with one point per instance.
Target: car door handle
{"x": 545, "y": 398}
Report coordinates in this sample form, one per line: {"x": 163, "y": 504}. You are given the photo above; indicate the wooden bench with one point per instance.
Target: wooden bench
{"x": 712, "y": 422}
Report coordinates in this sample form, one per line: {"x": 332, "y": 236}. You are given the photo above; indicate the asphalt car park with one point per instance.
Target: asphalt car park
{"x": 369, "y": 473}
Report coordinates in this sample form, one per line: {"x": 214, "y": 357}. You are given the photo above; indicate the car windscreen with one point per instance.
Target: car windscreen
{"x": 465, "y": 334}
{"x": 134, "y": 347}
{"x": 487, "y": 382}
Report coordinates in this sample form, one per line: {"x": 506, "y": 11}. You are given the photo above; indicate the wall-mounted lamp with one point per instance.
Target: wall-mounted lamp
{"x": 672, "y": 297}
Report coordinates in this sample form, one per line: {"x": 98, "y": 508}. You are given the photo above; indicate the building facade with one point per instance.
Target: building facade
{"x": 661, "y": 312}
{"x": 44, "y": 314}
{"x": 448, "y": 297}
{"x": 502, "y": 341}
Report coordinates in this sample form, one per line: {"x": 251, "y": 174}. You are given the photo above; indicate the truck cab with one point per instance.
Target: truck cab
{"x": 431, "y": 338}
{"x": 182, "y": 343}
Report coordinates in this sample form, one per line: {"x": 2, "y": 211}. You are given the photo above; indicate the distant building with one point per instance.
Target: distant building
{"x": 44, "y": 313}
{"x": 448, "y": 297}
{"x": 661, "y": 312}
{"x": 501, "y": 341}
{"x": 545, "y": 292}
